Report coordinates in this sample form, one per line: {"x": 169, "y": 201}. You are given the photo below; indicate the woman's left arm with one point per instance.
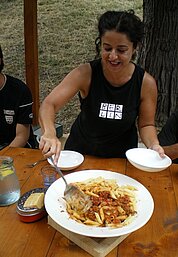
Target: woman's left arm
{"x": 147, "y": 111}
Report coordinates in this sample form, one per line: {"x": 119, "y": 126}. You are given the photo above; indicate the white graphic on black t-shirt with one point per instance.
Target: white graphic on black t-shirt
{"x": 9, "y": 119}
{"x": 111, "y": 111}
{"x": 9, "y": 112}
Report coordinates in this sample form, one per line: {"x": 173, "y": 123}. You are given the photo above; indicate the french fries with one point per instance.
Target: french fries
{"x": 113, "y": 205}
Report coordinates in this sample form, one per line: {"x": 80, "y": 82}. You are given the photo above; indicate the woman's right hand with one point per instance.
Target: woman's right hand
{"x": 50, "y": 146}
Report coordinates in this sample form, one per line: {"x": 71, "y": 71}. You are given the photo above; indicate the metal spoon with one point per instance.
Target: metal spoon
{"x": 73, "y": 196}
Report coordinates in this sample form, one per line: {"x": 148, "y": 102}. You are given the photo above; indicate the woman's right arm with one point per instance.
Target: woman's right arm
{"x": 77, "y": 80}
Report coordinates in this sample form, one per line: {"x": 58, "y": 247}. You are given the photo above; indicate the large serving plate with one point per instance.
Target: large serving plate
{"x": 68, "y": 160}
{"x": 56, "y": 206}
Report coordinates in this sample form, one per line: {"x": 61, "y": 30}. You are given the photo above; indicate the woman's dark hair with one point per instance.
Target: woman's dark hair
{"x": 1, "y": 62}
{"x": 121, "y": 21}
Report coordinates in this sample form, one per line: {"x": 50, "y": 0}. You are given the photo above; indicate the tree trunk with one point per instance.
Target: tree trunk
{"x": 159, "y": 53}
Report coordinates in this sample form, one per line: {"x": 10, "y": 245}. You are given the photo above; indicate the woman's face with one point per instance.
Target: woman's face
{"x": 116, "y": 50}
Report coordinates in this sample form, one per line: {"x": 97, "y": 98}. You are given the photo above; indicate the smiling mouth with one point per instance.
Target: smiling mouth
{"x": 114, "y": 63}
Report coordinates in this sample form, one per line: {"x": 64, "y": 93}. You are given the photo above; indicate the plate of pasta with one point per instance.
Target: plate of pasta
{"x": 120, "y": 204}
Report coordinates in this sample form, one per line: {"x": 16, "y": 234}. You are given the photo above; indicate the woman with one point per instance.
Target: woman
{"x": 113, "y": 92}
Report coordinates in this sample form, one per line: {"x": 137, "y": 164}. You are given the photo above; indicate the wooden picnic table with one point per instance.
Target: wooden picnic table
{"x": 157, "y": 238}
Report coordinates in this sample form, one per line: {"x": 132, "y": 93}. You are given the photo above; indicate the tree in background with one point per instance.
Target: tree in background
{"x": 159, "y": 53}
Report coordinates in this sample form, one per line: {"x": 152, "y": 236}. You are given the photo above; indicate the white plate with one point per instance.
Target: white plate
{"x": 147, "y": 159}
{"x": 56, "y": 207}
{"x": 69, "y": 160}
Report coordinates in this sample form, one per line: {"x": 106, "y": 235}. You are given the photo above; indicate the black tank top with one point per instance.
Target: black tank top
{"x": 106, "y": 125}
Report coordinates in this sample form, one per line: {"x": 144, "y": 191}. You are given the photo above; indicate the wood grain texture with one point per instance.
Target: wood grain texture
{"x": 161, "y": 232}
{"x": 31, "y": 53}
{"x": 97, "y": 247}
{"x": 158, "y": 238}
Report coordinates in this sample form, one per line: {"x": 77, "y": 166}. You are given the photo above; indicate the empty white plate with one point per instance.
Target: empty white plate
{"x": 69, "y": 160}
{"x": 147, "y": 159}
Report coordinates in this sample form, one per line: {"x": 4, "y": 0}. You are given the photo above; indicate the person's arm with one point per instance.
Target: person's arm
{"x": 168, "y": 136}
{"x": 77, "y": 80}
{"x": 22, "y": 135}
{"x": 49, "y": 143}
{"x": 146, "y": 119}
{"x": 171, "y": 151}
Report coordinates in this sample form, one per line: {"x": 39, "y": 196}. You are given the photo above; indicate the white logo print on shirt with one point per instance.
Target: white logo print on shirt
{"x": 9, "y": 119}
{"x": 111, "y": 111}
{"x": 9, "y": 115}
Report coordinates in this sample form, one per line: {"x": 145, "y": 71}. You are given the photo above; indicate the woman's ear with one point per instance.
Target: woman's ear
{"x": 134, "y": 54}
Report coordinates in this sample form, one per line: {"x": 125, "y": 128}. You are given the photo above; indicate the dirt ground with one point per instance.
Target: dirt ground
{"x": 66, "y": 38}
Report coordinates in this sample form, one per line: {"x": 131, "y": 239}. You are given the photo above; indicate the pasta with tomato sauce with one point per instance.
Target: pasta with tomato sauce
{"x": 112, "y": 205}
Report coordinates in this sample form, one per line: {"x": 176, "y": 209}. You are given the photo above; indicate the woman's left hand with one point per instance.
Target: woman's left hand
{"x": 158, "y": 149}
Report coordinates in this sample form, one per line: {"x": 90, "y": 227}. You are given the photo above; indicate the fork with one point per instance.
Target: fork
{"x": 74, "y": 196}
{"x": 31, "y": 165}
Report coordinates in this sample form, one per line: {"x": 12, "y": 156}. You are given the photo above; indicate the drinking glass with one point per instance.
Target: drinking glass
{"x": 49, "y": 175}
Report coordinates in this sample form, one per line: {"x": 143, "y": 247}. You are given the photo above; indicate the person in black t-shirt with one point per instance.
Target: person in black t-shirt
{"x": 15, "y": 111}
{"x": 168, "y": 137}
{"x": 114, "y": 93}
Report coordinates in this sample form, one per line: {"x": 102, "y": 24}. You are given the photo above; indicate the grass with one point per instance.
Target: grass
{"x": 66, "y": 33}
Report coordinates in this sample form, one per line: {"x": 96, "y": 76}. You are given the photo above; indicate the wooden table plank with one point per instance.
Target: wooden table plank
{"x": 159, "y": 233}
{"x": 60, "y": 243}
{"x": 174, "y": 176}
{"x": 112, "y": 164}
{"x": 2, "y": 152}
{"x": 24, "y": 235}
{"x": 97, "y": 247}
{"x": 158, "y": 238}
{"x": 24, "y": 239}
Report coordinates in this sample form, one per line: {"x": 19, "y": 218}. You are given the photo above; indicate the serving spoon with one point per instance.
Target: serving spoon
{"x": 73, "y": 195}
